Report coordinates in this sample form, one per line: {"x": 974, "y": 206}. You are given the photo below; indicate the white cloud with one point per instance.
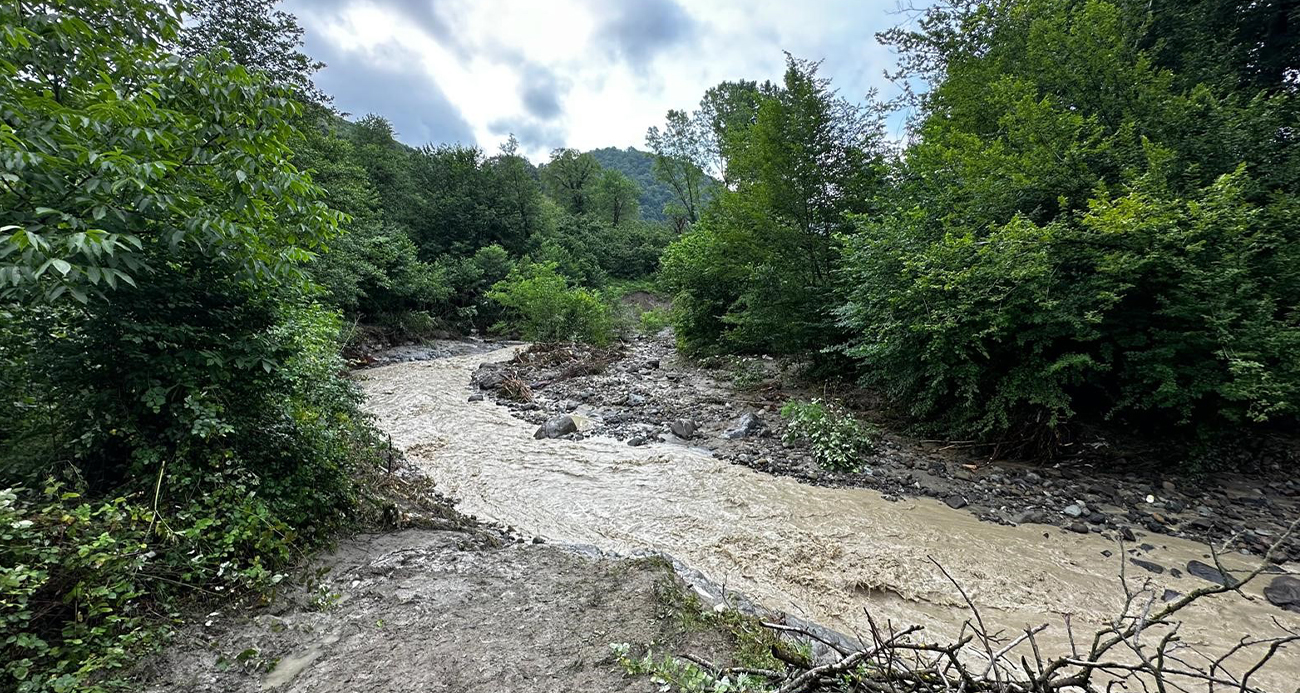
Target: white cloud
{"x": 586, "y": 73}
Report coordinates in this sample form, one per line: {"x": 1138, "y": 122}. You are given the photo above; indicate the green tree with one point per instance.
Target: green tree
{"x": 682, "y": 155}
{"x": 758, "y": 272}
{"x": 1096, "y": 219}
{"x": 614, "y": 198}
{"x": 569, "y": 177}
{"x": 174, "y": 415}
{"x": 257, "y": 36}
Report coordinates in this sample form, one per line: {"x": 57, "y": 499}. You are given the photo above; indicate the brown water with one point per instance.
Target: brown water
{"x": 821, "y": 553}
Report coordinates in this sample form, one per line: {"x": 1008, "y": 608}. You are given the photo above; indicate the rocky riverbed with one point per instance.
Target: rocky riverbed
{"x": 645, "y": 392}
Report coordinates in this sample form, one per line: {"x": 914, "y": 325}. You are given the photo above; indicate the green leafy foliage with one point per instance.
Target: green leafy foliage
{"x": 1081, "y": 231}
{"x": 839, "y": 441}
{"x": 542, "y": 306}
{"x": 755, "y": 273}
{"x": 170, "y": 383}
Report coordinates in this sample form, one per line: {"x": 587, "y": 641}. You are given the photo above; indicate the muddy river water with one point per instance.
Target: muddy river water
{"x": 821, "y": 553}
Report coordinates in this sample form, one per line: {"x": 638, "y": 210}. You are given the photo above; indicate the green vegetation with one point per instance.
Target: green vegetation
{"x": 1094, "y": 218}
{"x": 186, "y": 225}
{"x": 839, "y": 441}
{"x": 544, "y": 307}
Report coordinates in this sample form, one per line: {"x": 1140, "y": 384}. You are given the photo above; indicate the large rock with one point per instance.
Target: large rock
{"x": 488, "y": 378}
{"x": 556, "y": 427}
{"x": 1284, "y": 591}
{"x": 1210, "y": 573}
{"x": 747, "y": 425}
{"x": 683, "y": 428}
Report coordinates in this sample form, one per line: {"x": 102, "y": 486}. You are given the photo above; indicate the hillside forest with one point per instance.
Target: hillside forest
{"x": 1091, "y": 219}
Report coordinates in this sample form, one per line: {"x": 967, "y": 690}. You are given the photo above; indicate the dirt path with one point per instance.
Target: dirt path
{"x": 822, "y": 553}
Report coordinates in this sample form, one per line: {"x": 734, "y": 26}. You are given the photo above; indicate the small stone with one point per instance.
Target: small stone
{"x": 1074, "y": 510}
{"x": 1170, "y": 595}
{"x": 1078, "y": 528}
{"x": 636, "y": 442}
{"x": 476, "y": 397}
{"x": 1127, "y": 534}
{"x": 570, "y": 404}
{"x": 745, "y": 426}
{"x": 955, "y": 502}
{"x": 1169, "y": 486}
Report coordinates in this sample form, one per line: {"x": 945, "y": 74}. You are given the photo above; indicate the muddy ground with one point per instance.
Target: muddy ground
{"x": 462, "y": 610}
{"x": 643, "y": 391}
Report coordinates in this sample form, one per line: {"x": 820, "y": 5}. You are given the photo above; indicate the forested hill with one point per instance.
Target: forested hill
{"x": 639, "y": 166}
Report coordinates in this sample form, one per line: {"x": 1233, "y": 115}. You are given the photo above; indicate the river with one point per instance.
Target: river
{"x": 824, "y": 554}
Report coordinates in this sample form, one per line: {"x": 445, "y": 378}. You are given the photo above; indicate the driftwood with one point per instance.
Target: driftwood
{"x": 1139, "y": 650}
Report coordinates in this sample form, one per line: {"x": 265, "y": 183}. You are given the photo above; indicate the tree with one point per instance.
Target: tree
{"x": 614, "y": 197}
{"x": 682, "y": 154}
{"x": 569, "y": 177}
{"x": 171, "y": 384}
{"x": 518, "y": 181}
{"x": 757, "y": 271}
{"x": 257, "y": 36}
{"x": 1096, "y": 220}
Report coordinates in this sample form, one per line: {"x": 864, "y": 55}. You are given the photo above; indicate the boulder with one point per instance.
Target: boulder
{"x": 955, "y": 502}
{"x": 556, "y": 427}
{"x": 1148, "y": 565}
{"x": 744, "y": 427}
{"x": 488, "y": 379}
{"x": 1210, "y": 573}
{"x": 1284, "y": 591}
{"x": 683, "y": 428}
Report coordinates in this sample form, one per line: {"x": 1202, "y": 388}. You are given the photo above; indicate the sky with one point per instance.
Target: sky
{"x": 574, "y": 73}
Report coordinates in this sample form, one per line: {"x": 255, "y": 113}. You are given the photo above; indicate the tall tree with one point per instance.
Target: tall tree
{"x": 569, "y": 177}
{"x": 519, "y": 188}
{"x": 259, "y": 37}
{"x": 682, "y": 154}
{"x": 614, "y": 197}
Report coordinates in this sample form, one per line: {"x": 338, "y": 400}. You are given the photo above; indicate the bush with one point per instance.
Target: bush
{"x": 541, "y": 306}
{"x": 655, "y": 320}
{"x": 839, "y": 441}
{"x": 1174, "y": 312}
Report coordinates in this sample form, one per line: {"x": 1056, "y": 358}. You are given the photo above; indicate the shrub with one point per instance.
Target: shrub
{"x": 541, "y": 306}
{"x": 655, "y": 320}
{"x": 1173, "y": 312}
{"x": 839, "y": 441}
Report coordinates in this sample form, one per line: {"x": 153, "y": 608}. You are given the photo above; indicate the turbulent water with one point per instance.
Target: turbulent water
{"x": 825, "y": 554}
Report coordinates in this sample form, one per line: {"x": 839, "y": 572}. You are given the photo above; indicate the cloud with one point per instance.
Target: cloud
{"x": 540, "y": 91}
{"x": 576, "y": 73}
{"x": 536, "y": 137}
{"x": 638, "y": 31}
{"x": 391, "y": 83}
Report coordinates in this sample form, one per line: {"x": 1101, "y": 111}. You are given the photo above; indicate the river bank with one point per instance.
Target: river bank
{"x": 646, "y": 392}
{"x": 560, "y": 548}
{"x": 827, "y": 554}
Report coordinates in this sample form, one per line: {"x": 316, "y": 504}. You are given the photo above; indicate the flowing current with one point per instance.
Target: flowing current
{"x": 821, "y": 553}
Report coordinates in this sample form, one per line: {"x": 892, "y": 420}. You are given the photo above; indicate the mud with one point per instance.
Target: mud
{"x": 432, "y": 611}
{"x": 823, "y": 553}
